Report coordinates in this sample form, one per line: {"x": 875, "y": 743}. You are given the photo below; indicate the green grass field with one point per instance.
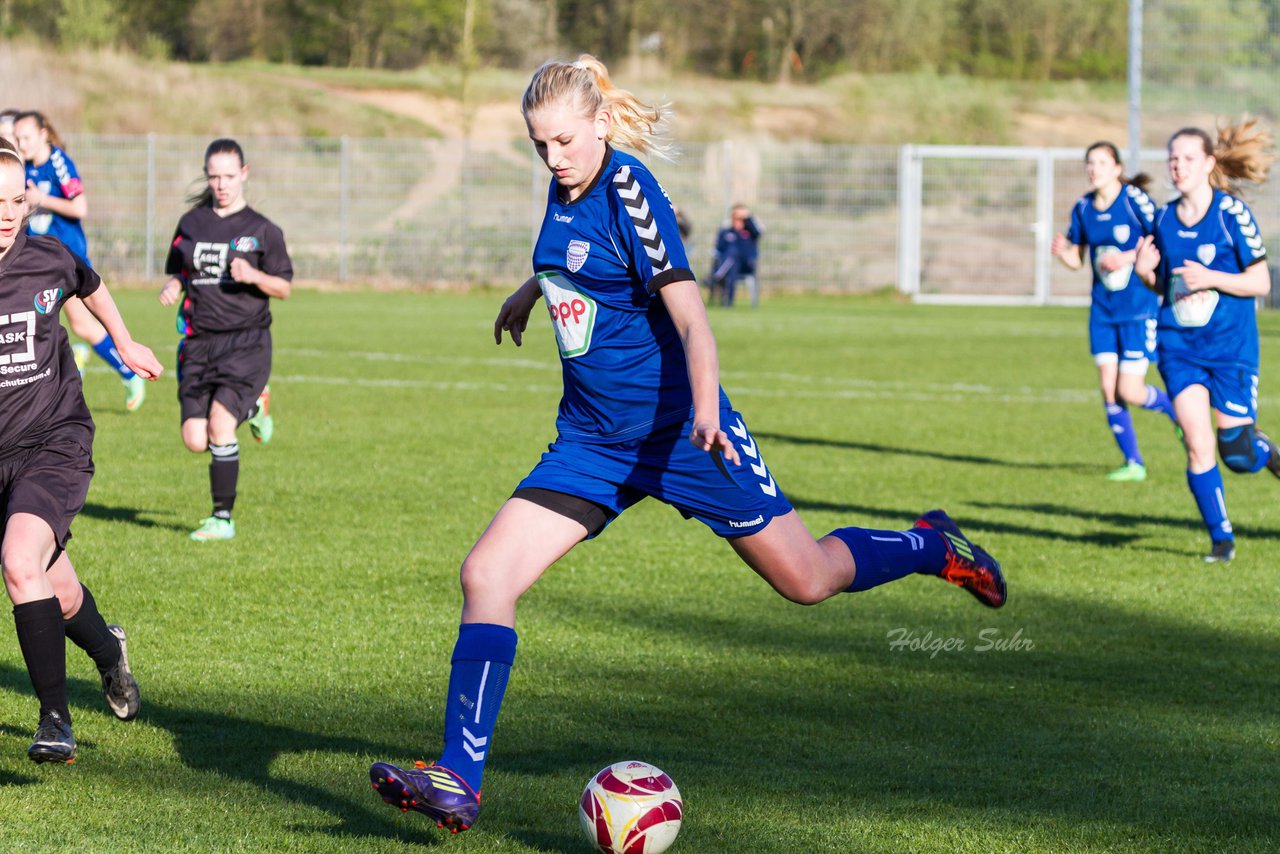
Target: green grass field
{"x": 1138, "y": 713}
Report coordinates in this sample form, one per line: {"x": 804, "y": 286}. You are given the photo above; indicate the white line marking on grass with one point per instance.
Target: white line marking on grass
{"x": 740, "y": 383}
{"x": 418, "y": 358}
{"x": 432, "y": 385}
{"x": 904, "y": 389}
{"x": 1067, "y": 396}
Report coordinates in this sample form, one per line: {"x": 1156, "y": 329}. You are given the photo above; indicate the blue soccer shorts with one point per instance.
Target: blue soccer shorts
{"x": 1232, "y": 391}
{"x": 731, "y": 500}
{"x": 1131, "y": 343}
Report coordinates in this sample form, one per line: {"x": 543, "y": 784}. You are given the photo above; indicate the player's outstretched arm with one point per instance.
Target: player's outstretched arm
{"x": 513, "y": 317}
{"x": 1066, "y": 252}
{"x": 1146, "y": 260}
{"x": 77, "y": 208}
{"x": 247, "y": 274}
{"x": 1114, "y": 261}
{"x": 138, "y": 357}
{"x": 1255, "y": 281}
{"x": 684, "y": 304}
{"x": 171, "y": 291}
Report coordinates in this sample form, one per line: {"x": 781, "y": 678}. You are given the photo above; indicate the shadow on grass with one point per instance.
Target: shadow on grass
{"x": 242, "y": 749}
{"x": 966, "y": 459}
{"x": 1185, "y": 521}
{"x": 128, "y": 515}
{"x": 1116, "y": 725}
{"x": 862, "y": 515}
{"x": 1115, "y": 528}
{"x": 8, "y": 778}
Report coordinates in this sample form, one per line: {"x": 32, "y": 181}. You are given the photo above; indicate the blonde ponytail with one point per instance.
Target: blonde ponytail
{"x": 639, "y": 126}
{"x": 1243, "y": 152}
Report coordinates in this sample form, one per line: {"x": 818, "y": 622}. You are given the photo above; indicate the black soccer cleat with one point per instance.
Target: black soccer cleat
{"x": 1223, "y": 552}
{"x": 1273, "y": 461}
{"x": 54, "y": 741}
{"x": 118, "y": 685}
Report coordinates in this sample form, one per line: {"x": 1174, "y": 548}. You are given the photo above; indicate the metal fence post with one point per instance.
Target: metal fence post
{"x": 904, "y": 226}
{"x": 344, "y": 206}
{"x": 464, "y": 220}
{"x": 149, "y": 264}
{"x": 910, "y": 187}
{"x": 1043, "y": 227}
{"x": 727, "y": 200}
{"x": 1135, "y": 82}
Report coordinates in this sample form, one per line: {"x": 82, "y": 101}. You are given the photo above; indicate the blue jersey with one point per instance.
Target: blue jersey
{"x": 1118, "y": 296}
{"x": 57, "y": 177}
{"x": 600, "y": 262}
{"x": 1208, "y": 327}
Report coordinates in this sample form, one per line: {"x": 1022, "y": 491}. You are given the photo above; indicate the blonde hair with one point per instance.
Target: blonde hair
{"x": 1243, "y": 152}
{"x": 10, "y": 151}
{"x": 637, "y": 125}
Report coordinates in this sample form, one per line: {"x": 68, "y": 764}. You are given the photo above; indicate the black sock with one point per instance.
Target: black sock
{"x": 44, "y": 646}
{"x": 88, "y": 631}
{"x": 224, "y": 471}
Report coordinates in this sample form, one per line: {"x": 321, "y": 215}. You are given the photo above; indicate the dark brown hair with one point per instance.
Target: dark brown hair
{"x": 1142, "y": 180}
{"x": 42, "y": 123}
{"x": 203, "y": 198}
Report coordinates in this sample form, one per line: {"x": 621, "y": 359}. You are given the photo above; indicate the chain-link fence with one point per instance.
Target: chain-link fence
{"x": 1220, "y": 57}
{"x": 977, "y": 221}
{"x": 944, "y": 221}
{"x": 459, "y": 212}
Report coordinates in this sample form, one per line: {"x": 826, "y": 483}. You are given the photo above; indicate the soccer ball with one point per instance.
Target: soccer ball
{"x": 631, "y": 808}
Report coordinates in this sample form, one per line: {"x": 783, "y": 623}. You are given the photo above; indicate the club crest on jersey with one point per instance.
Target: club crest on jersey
{"x": 1206, "y": 252}
{"x": 245, "y": 244}
{"x": 577, "y": 254}
{"x": 1121, "y": 233}
{"x": 47, "y": 300}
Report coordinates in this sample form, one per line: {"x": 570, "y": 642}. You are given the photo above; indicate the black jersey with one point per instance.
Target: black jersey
{"x": 40, "y": 391}
{"x": 203, "y": 248}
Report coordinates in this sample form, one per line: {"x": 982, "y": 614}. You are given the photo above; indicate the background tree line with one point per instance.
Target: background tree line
{"x": 757, "y": 39}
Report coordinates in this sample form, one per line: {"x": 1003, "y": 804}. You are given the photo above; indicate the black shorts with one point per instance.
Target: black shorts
{"x": 229, "y": 367}
{"x": 49, "y": 482}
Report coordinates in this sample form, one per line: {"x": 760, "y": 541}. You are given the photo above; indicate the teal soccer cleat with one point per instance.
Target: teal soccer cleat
{"x": 214, "y": 528}
{"x": 261, "y": 424}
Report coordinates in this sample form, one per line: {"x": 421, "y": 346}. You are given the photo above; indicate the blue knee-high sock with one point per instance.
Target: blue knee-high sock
{"x": 1210, "y": 498}
{"x": 106, "y": 348}
{"x": 1122, "y": 427}
{"x": 1260, "y": 451}
{"x": 482, "y": 661}
{"x": 1158, "y": 401}
{"x": 883, "y": 556}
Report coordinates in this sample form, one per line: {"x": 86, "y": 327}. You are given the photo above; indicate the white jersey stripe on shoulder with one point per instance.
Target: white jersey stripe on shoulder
{"x": 632, "y": 196}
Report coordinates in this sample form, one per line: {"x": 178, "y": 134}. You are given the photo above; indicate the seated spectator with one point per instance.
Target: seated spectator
{"x": 737, "y": 250}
